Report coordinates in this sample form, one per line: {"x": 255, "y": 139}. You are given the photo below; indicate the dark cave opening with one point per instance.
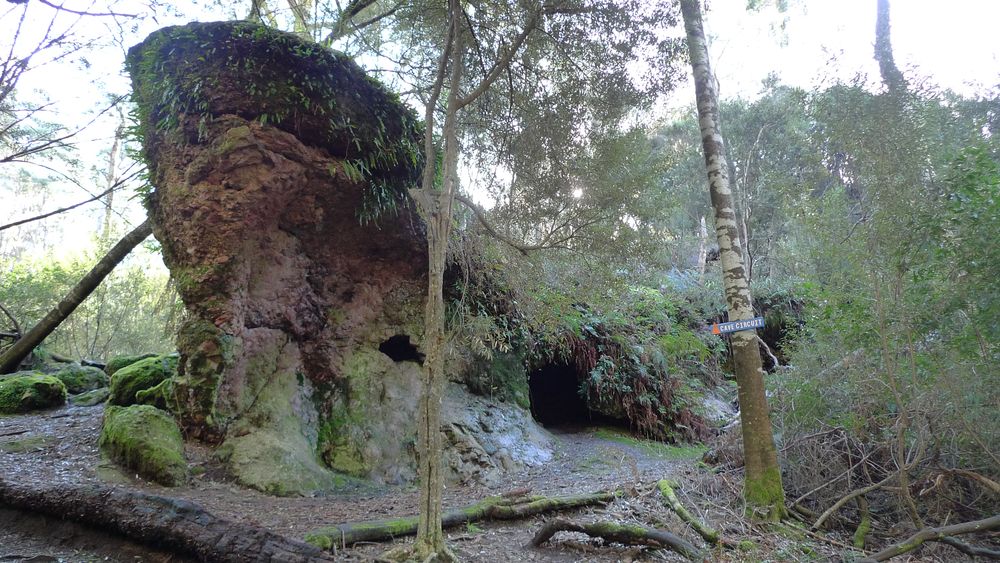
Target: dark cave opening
{"x": 555, "y": 396}
{"x": 400, "y": 349}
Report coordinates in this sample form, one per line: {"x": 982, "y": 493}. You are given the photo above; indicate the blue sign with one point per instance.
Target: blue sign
{"x": 736, "y": 326}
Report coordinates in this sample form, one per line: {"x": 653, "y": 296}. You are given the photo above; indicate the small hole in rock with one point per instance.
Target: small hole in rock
{"x": 400, "y": 349}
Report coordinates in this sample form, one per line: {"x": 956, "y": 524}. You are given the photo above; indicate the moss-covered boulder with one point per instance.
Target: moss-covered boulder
{"x": 146, "y": 440}
{"x": 118, "y": 362}
{"x": 79, "y": 379}
{"x": 91, "y": 398}
{"x": 139, "y": 376}
{"x": 27, "y": 391}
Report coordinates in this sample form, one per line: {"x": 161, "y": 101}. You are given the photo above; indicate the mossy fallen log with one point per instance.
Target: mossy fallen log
{"x": 491, "y": 508}
{"x": 167, "y": 523}
{"x": 711, "y": 536}
{"x": 625, "y": 534}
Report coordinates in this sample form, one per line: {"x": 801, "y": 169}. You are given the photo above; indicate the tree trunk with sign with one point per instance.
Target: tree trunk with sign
{"x": 762, "y": 486}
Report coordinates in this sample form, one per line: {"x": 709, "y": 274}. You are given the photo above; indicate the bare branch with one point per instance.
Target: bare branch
{"x": 61, "y": 8}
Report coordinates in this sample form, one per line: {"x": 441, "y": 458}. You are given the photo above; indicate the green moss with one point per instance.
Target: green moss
{"x": 141, "y": 375}
{"x": 145, "y": 440}
{"x": 118, "y": 362}
{"x": 79, "y": 379}
{"x": 160, "y": 396}
{"x": 319, "y": 539}
{"x": 503, "y": 376}
{"x": 24, "y": 445}
{"x": 91, "y": 398}
{"x": 207, "y": 351}
{"x": 25, "y": 392}
{"x": 653, "y": 448}
{"x": 764, "y": 496}
{"x": 322, "y": 97}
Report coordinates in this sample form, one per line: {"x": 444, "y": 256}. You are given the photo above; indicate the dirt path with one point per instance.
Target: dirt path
{"x": 60, "y": 446}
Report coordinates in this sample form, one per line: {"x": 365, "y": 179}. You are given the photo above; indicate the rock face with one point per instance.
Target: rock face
{"x": 280, "y": 173}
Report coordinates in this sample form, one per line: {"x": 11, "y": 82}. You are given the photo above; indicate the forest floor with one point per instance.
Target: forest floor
{"x": 60, "y": 446}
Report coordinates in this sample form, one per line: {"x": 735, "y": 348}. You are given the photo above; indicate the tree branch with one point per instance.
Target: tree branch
{"x": 936, "y": 534}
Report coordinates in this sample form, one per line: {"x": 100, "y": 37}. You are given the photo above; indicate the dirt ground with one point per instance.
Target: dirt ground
{"x": 60, "y": 446}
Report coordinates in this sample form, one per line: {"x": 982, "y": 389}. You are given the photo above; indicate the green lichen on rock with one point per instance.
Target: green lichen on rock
{"x": 242, "y": 68}
{"x": 91, "y": 398}
{"x": 118, "y": 362}
{"x": 276, "y": 463}
{"x": 140, "y": 376}
{"x": 145, "y": 440}
{"x": 160, "y": 396}
{"x": 207, "y": 351}
{"x": 79, "y": 379}
{"x": 28, "y": 391}
{"x": 502, "y": 376}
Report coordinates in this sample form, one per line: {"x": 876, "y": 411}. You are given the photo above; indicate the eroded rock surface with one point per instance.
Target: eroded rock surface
{"x": 280, "y": 173}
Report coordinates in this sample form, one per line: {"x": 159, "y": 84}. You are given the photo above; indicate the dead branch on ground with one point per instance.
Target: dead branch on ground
{"x": 625, "y": 534}
{"x": 492, "y": 508}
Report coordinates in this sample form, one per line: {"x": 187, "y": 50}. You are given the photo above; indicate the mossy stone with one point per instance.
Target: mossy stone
{"x": 242, "y": 68}
{"x": 118, "y": 362}
{"x": 79, "y": 379}
{"x": 159, "y": 396}
{"x": 141, "y": 375}
{"x": 91, "y": 398}
{"x": 145, "y": 440}
{"x": 25, "y": 392}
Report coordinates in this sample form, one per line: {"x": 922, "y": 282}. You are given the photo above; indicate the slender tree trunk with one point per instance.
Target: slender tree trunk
{"x": 891, "y": 76}
{"x": 430, "y": 543}
{"x": 762, "y": 487}
{"x": 13, "y": 357}
{"x": 702, "y": 247}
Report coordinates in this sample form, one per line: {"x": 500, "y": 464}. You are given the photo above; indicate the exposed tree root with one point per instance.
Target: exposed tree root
{"x": 492, "y": 508}
{"x": 626, "y": 534}
{"x": 173, "y": 524}
{"x": 942, "y": 534}
{"x": 711, "y": 536}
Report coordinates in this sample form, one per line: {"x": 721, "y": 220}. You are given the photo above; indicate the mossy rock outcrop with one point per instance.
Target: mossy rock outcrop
{"x": 29, "y": 391}
{"x": 280, "y": 173}
{"x": 79, "y": 379}
{"x": 146, "y": 440}
{"x": 91, "y": 398}
{"x": 118, "y": 362}
{"x": 140, "y": 376}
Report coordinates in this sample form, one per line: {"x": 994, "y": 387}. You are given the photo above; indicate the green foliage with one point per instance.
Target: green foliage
{"x": 634, "y": 357}
{"x": 26, "y": 391}
{"x": 131, "y": 312}
{"x": 200, "y": 71}
{"x": 146, "y": 440}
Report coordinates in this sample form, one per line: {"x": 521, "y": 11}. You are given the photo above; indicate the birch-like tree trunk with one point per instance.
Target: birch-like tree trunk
{"x": 436, "y": 209}
{"x": 762, "y": 485}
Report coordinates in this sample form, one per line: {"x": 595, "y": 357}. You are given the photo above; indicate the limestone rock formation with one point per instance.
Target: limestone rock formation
{"x": 280, "y": 173}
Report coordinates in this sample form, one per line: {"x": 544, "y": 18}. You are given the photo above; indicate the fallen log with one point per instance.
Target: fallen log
{"x": 491, "y": 508}
{"x": 625, "y": 534}
{"x": 167, "y": 523}
{"x": 710, "y": 535}
{"x": 940, "y": 535}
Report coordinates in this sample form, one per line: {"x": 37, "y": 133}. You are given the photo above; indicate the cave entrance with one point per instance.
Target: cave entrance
{"x": 555, "y": 396}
